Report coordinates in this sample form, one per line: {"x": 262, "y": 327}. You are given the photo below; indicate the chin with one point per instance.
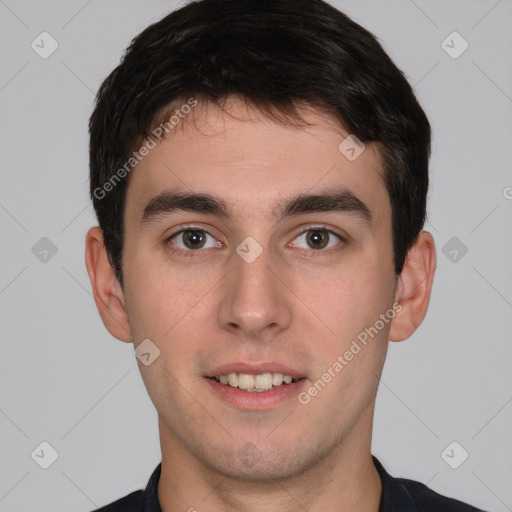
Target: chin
{"x": 262, "y": 465}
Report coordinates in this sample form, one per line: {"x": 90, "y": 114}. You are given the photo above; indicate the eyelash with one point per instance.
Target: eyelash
{"x": 196, "y": 253}
{"x": 189, "y": 253}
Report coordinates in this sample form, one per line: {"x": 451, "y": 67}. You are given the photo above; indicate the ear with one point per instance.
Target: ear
{"x": 108, "y": 294}
{"x": 414, "y": 288}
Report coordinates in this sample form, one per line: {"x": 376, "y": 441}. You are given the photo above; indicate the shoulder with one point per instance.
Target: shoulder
{"x": 138, "y": 501}
{"x": 404, "y": 495}
{"x": 133, "y": 502}
{"x": 426, "y": 500}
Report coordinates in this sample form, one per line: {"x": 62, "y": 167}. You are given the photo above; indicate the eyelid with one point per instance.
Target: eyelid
{"x": 189, "y": 227}
{"x": 318, "y": 252}
{"x": 303, "y": 230}
{"x": 320, "y": 227}
{"x": 189, "y": 252}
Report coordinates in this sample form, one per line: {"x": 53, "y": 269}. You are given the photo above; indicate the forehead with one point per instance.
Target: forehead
{"x": 254, "y": 162}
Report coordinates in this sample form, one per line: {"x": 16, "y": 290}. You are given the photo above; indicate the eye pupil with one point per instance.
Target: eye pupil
{"x": 316, "y": 237}
{"x": 193, "y": 239}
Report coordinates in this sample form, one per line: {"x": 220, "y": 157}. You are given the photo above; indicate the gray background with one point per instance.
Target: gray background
{"x": 66, "y": 381}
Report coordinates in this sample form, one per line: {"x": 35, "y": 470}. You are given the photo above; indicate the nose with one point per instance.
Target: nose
{"x": 255, "y": 301}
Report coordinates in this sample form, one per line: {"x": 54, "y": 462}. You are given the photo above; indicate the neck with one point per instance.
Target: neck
{"x": 344, "y": 480}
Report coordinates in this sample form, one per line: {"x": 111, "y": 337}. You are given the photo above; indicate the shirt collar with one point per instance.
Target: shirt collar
{"x": 395, "y": 497}
{"x": 151, "y": 503}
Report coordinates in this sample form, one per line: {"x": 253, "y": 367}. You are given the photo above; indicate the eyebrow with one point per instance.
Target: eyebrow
{"x": 330, "y": 201}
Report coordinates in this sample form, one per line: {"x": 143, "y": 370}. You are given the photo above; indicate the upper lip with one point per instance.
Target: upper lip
{"x": 255, "y": 369}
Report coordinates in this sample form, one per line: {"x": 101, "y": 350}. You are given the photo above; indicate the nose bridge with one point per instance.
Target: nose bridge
{"x": 253, "y": 299}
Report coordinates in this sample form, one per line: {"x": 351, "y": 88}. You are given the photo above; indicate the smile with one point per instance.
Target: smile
{"x": 255, "y": 383}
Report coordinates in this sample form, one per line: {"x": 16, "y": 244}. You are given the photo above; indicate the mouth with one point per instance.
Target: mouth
{"x": 258, "y": 383}
{"x": 255, "y": 387}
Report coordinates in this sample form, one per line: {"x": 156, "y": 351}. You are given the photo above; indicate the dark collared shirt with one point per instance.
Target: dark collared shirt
{"x": 398, "y": 495}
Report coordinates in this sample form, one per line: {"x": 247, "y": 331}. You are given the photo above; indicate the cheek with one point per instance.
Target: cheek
{"x": 154, "y": 301}
{"x": 166, "y": 312}
{"x": 347, "y": 299}
{"x": 352, "y": 358}
{"x": 167, "y": 306}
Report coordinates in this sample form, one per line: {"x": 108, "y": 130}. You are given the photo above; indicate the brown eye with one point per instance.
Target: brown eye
{"x": 316, "y": 239}
{"x": 193, "y": 239}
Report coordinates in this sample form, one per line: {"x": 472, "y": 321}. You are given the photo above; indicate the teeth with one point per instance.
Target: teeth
{"x": 233, "y": 380}
{"x": 260, "y": 382}
{"x": 245, "y": 381}
{"x": 263, "y": 381}
{"x": 277, "y": 379}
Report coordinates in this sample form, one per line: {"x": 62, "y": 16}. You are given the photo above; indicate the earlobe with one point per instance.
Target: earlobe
{"x": 108, "y": 295}
{"x": 414, "y": 287}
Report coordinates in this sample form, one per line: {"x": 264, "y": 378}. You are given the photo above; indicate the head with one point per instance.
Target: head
{"x": 236, "y": 110}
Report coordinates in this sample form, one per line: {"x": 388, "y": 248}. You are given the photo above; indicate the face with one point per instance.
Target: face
{"x": 247, "y": 279}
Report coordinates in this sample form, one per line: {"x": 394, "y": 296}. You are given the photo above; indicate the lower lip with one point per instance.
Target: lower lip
{"x": 256, "y": 400}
